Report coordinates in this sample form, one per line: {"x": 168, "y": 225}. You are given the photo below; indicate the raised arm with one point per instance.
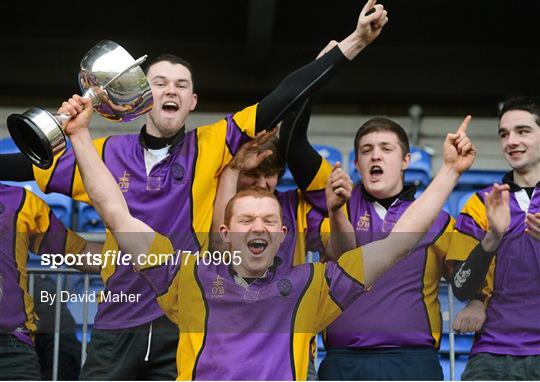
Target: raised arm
{"x": 100, "y": 184}
{"x": 300, "y": 84}
{"x": 379, "y": 256}
{"x": 338, "y": 192}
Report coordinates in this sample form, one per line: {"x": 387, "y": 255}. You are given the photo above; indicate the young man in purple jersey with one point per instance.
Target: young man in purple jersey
{"x": 501, "y": 249}
{"x": 26, "y": 224}
{"x": 393, "y": 331}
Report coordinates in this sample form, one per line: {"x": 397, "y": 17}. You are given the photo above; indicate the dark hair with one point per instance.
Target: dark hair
{"x": 274, "y": 164}
{"x": 256, "y": 192}
{"x": 378, "y": 124}
{"x": 530, "y": 104}
{"x": 173, "y": 59}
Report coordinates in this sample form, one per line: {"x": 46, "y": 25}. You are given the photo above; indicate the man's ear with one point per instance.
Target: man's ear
{"x": 224, "y": 233}
{"x": 194, "y": 99}
{"x": 406, "y": 162}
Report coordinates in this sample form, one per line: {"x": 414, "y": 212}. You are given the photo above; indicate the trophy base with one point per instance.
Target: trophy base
{"x": 38, "y": 135}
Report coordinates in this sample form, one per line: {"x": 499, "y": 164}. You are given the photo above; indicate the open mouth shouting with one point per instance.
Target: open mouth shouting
{"x": 376, "y": 172}
{"x": 257, "y": 246}
{"x": 170, "y": 107}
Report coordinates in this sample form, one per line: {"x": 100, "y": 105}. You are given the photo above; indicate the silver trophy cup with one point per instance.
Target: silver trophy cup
{"x": 111, "y": 78}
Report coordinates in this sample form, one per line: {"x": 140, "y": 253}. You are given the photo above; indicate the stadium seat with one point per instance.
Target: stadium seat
{"x": 62, "y": 207}
{"x": 353, "y": 172}
{"x": 461, "y": 362}
{"x": 88, "y": 219}
{"x": 7, "y": 146}
{"x": 462, "y": 343}
{"x": 331, "y": 154}
{"x": 480, "y": 178}
{"x": 445, "y": 365}
{"x": 419, "y": 170}
{"x": 286, "y": 182}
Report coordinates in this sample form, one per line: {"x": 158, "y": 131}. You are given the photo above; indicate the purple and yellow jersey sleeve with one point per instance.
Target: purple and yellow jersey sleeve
{"x": 340, "y": 283}
{"x": 64, "y": 176}
{"x": 163, "y": 275}
{"x": 471, "y": 227}
{"x": 27, "y": 224}
{"x": 179, "y": 294}
{"x": 314, "y": 194}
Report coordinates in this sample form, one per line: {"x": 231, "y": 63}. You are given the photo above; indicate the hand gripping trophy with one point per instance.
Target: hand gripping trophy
{"x": 111, "y": 78}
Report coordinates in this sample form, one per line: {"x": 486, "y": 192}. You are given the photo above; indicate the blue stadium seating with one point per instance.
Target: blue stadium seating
{"x": 419, "y": 170}
{"x": 459, "y": 366}
{"x": 88, "y": 219}
{"x": 462, "y": 343}
{"x": 331, "y": 154}
{"x": 353, "y": 172}
{"x": 7, "y": 146}
{"x": 480, "y": 178}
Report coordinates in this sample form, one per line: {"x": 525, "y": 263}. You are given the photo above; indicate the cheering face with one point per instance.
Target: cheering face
{"x": 520, "y": 140}
{"x": 256, "y": 231}
{"x": 172, "y": 89}
{"x": 381, "y": 163}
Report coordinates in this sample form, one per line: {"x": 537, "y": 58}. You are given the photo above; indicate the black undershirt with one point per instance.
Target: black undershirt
{"x": 156, "y": 143}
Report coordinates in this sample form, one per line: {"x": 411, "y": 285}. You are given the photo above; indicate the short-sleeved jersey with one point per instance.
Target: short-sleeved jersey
{"x": 401, "y": 309}
{"x": 300, "y": 216}
{"x": 176, "y": 199}
{"x": 26, "y": 223}
{"x": 512, "y": 286}
{"x": 254, "y": 331}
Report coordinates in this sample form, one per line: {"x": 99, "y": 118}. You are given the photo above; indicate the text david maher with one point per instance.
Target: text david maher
{"x": 91, "y": 296}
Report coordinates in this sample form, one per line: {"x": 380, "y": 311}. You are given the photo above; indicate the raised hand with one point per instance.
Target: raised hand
{"x": 371, "y": 23}
{"x": 338, "y": 188}
{"x": 498, "y": 208}
{"x": 459, "y": 152}
{"x": 80, "y": 110}
{"x": 249, "y": 156}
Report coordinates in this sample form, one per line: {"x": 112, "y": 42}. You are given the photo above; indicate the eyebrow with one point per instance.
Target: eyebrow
{"x": 159, "y": 77}
{"x": 379, "y": 144}
{"x": 518, "y": 127}
{"x": 253, "y": 216}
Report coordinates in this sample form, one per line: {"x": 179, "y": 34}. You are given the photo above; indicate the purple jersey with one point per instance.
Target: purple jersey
{"x": 232, "y": 330}
{"x": 513, "y": 282}
{"x": 401, "y": 308}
